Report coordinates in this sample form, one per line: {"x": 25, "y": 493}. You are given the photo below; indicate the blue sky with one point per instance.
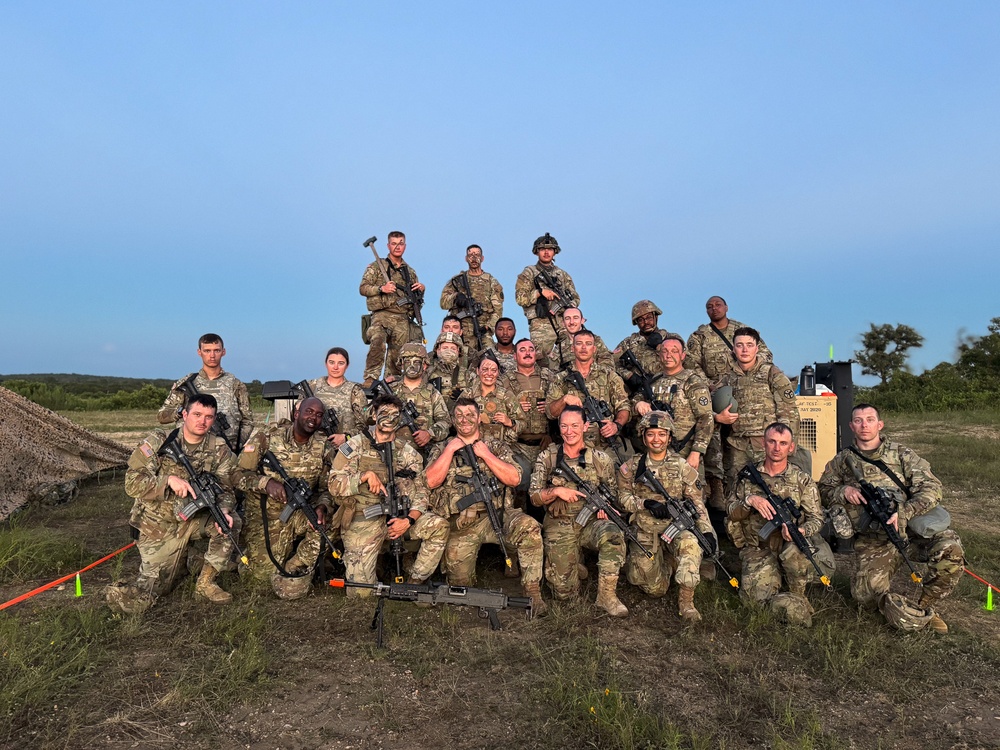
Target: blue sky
{"x": 172, "y": 169}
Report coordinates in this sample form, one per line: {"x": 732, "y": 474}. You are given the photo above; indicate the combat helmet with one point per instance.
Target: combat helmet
{"x": 447, "y": 337}
{"x": 903, "y": 615}
{"x": 642, "y": 307}
{"x": 546, "y": 240}
{"x": 411, "y": 350}
{"x": 656, "y": 420}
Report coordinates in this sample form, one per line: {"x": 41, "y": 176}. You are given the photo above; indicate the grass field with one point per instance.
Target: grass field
{"x": 269, "y": 674}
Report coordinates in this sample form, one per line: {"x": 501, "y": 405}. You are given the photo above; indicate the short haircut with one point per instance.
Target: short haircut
{"x": 385, "y": 399}
{"x": 567, "y": 309}
{"x": 338, "y": 350}
{"x": 718, "y": 297}
{"x": 584, "y": 332}
{"x": 573, "y": 409}
{"x": 506, "y": 320}
{"x": 780, "y": 427}
{"x": 211, "y": 338}
{"x": 521, "y": 341}
{"x": 747, "y": 331}
{"x": 673, "y": 337}
{"x": 205, "y": 399}
{"x": 473, "y": 246}
{"x": 394, "y": 235}
{"x": 465, "y": 401}
{"x": 863, "y": 405}
{"x": 446, "y": 318}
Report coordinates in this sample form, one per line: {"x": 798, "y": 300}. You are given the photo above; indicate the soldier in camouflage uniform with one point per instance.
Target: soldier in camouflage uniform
{"x": 432, "y": 412}
{"x": 560, "y": 357}
{"x": 391, "y": 325}
{"x": 644, "y": 343}
{"x": 346, "y": 398}
{"x": 543, "y": 307}
{"x": 603, "y": 383}
{"x": 552, "y": 489}
{"x": 763, "y": 395}
{"x": 766, "y": 560}
{"x": 447, "y": 373}
{"x": 872, "y": 457}
{"x": 230, "y": 394}
{"x": 358, "y": 481}
{"x": 305, "y": 453}
{"x": 161, "y": 489}
{"x": 682, "y": 555}
{"x": 486, "y": 290}
{"x": 503, "y": 352}
{"x": 710, "y": 352}
{"x": 498, "y": 407}
{"x": 447, "y": 478}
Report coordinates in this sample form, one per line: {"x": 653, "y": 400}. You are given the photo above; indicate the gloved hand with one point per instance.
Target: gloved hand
{"x": 657, "y": 509}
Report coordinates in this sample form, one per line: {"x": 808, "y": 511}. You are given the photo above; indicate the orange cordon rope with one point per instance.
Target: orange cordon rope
{"x": 982, "y": 580}
{"x": 47, "y": 586}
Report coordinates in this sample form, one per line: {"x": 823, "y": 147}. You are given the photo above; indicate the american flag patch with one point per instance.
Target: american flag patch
{"x": 147, "y": 451}
{"x": 249, "y": 448}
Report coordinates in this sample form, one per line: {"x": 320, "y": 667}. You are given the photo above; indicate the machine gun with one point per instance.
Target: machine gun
{"x": 880, "y": 505}
{"x": 483, "y": 490}
{"x": 393, "y": 507}
{"x": 298, "y": 496}
{"x": 786, "y": 514}
{"x": 415, "y": 300}
{"x": 683, "y": 517}
{"x": 407, "y": 416}
{"x": 206, "y": 494}
{"x": 596, "y": 411}
{"x": 470, "y": 307}
{"x": 597, "y": 499}
{"x": 488, "y": 602}
{"x": 642, "y": 382}
{"x": 331, "y": 422}
{"x": 221, "y": 424}
{"x": 546, "y": 308}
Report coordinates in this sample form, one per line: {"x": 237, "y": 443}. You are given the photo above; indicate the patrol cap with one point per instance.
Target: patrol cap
{"x": 546, "y": 240}
{"x": 722, "y": 398}
{"x": 411, "y": 350}
{"x": 903, "y": 615}
{"x": 642, "y": 307}
{"x": 656, "y": 420}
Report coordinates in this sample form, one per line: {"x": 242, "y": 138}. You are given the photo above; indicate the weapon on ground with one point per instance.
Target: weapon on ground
{"x": 787, "y": 514}
{"x": 407, "y": 416}
{"x": 331, "y": 422}
{"x": 471, "y": 309}
{"x": 597, "y": 499}
{"x": 393, "y": 507}
{"x": 488, "y": 602}
{"x": 483, "y": 491}
{"x": 415, "y": 299}
{"x": 642, "y": 381}
{"x": 879, "y": 507}
{"x": 221, "y": 424}
{"x": 683, "y": 517}
{"x": 206, "y": 495}
{"x": 595, "y": 410}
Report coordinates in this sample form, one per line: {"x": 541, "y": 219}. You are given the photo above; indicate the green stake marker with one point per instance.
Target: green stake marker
{"x": 79, "y": 586}
{"x": 989, "y": 599}
{"x": 831, "y": 352}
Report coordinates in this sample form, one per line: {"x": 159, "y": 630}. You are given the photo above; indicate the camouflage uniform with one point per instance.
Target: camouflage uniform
{"x": 561, "y": 357}
{"x": 233, "y": 399}
{"x": 764, "y": 561}
{"x": 391, "y": 313}
{"x": 533, "y": 425}
{"x": 878, "y": 559}
{"x": 604, "y": 384}
{"x": 363, "y": 537}
{"x": 690, "y": 404}
{"x": 506, "y": 360}
{"x": 683, "y": 554}
{"x": 563, "y": 538}
{"x": 486, "y": 290}
{"x": 163, "y": 536}
{"x": 526, "y": 295}
{"x": 347, "y": 399}
{"x": 647, "y": 355}
{"x": 501, "y": 401}
{"x": 432, "y": 413}
{"x": 310, "y": 462}
{"x": 470, "y": 529}
{"x": 449, "y": 380}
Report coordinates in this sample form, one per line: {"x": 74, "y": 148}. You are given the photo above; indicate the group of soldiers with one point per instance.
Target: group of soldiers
{"x": 549, "y": 446}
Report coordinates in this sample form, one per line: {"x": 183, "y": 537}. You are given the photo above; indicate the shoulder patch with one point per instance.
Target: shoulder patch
{"x": 146, "y": 449}
{"x": 249, "y": 448}
{"x": 625, "y": 469}
{"x": 703, "y": 401}
{"x": 345, "y": 450}
{"x": 789, "y": 394}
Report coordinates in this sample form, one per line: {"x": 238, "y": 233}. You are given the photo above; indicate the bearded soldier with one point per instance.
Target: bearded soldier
{"x": 644, "y": 344}
{"x": 451, "y": 477}
{"x": 543, "y": 291}
{"x": 485, "y": 304}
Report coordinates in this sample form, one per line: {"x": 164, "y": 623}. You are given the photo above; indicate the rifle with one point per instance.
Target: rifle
{"x": 393, "y": 507}
{"x": 331, "y": 422}
{"x": 643, "y": 381}
{"x": 471, "y": 308}
{"x": 683, "y": 515}
{"x": 483, "y": 491}
{"x": 412, "y": 298}
{"x": 407, "y": 416}
{"x": 545, "y": 308}
{"x": 221, "y": 424}
{"x": 488, "y": 602}
{"x": 299, "y": 497}
{"x": 879, "y": 507}
{"x": 206, "y": 494}
{"x": 786, "y": 514}
{"x": 595, "y": 411}
{"x": 597, "y": 499}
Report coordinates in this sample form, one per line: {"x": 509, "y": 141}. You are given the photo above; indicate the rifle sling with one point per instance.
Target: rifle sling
{"x": 267, "y": 541}
{"x": 678, "y": 446}
{"x": 722, "y": 336}
{"x": 881, "y": 466}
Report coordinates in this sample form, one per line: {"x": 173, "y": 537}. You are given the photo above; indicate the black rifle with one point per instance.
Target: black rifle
{"x": 484, "y": 489}
{"x": 221, "y": 424}
{"x": 471, "y": 309}
{"x": 393, "y": 507}
{"x": 596, "y": 411}
{"x": 298, "y": 495}
{"x": 407, "y": 416}
{"x": 488, "y": 602}
{"x": 331, "y": 422}
{"x": 879, "y": 508}
{"x": 787, "y": 514}
{"x": 546, "y": 308}
{"x": 206, "y": 494}
{"x": 642, "y": 381}
{"x": 683, "y": 517}
{"x": 597, "y": 499}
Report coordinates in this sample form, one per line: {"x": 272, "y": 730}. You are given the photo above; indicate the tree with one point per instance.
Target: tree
{"x": 979, "y": 356}
{"x": 884, "y": 349}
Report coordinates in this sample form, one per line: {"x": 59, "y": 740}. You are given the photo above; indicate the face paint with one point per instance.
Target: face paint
{"x": 387, "y": 419}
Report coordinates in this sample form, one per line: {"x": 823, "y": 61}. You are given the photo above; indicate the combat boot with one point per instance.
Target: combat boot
{"x": 538, "y": 606}
{"x": 581, "y": 571}
{"x": 207, "y": 588}
{"x": 607, "y": 599}
{"x": 685, "y": 604}
{"x": 935, "y": 623}
{"x": 716, "y": 494}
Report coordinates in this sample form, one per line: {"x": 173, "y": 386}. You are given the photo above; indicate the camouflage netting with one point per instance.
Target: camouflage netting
{"x": 43, "y": 455}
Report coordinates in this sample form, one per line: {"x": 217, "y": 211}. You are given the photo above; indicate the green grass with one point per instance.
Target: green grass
{"x": 29, "y": 552}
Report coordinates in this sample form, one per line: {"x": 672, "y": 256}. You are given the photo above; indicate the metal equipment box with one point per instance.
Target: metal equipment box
{"x": 818, "y": 429}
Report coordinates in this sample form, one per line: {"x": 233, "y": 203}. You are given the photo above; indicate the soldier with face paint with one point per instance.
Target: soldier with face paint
{"x": 432, "y": 418}
{"x": 487, "y": 294}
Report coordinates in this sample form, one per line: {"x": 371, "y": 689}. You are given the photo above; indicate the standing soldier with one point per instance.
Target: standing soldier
{"x": 553, "y": 489}
{"x": 161, "y": 489}
{"x": 360, "y": 480}
{"x": 918, "y": 518}
{"x": 544, "y": 291}
{"x": 503, "y": 352}
{"x": 447, "y": 373}
{"x": 644, "y": 344}
{"x": 485, "y": 304}
{"x": 346, "y": 398}
{"x": 561, "y": 356}
{"x": 466, "y": 460}
{"x": 234, "y": 420}
{"x": 393, "y": 304}
{"x": 432, "y": 417}
{"x": 682, "y": 555}
{"x": 304, "y": 453}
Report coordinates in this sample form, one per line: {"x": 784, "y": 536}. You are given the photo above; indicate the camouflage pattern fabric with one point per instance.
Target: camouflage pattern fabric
{"x": 686, "y": 393}
{"x": 347, "y": 399}
{"x": 488, "y": 292}
{"x": 229, "y": 392}
{"x": 526, "y": 294}
{"x": 560, "y": 356}
{"x": 453, "y": 378}
{"x": 604, "y": 384}
{"x": 647, "y": 355}
{"x": 432, "y": 412}
{"x": 497, "y": 401}
{"x": 391, "y": 313}
{"x": 709, "y": 355}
